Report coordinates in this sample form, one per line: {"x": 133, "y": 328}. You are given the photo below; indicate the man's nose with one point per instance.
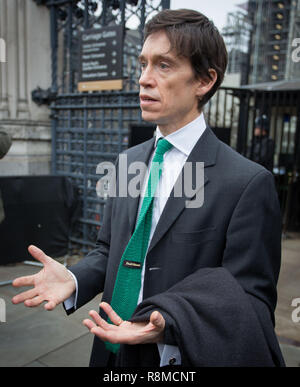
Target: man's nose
{"x": 147, "y": 78}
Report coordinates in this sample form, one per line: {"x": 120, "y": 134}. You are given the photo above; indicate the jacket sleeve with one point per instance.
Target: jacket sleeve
{"x": 225, "y": 316}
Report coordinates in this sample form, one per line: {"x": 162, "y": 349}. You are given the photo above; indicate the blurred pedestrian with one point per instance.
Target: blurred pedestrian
{"x": 262, "y": 147}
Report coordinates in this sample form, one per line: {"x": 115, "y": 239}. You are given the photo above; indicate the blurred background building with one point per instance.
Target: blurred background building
{"x": 275, "y": 26}
{"x": 25, "y": 28}
{"x": 260, "y": 37}
{"x": 237, "y": 35}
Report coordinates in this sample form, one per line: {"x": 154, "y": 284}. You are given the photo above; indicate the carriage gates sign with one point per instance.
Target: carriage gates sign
{"x": 101, "y": 59}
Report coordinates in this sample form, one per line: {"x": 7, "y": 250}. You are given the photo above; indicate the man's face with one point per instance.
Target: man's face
{"x": 257, "y": 132}
{"x": 168, "y": 88}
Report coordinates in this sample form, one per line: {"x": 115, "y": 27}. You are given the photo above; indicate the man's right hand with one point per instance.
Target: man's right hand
{"x": 53, "y": 283}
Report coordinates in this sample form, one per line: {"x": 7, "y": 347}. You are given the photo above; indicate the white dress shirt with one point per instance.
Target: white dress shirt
{"x": 183, "y": 141}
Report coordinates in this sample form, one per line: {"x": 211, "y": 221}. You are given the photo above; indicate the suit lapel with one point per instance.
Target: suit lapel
{"x": 205, "y": 151}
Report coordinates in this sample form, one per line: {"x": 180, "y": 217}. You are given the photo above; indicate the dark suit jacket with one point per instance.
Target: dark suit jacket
{"x": 218, "y": 265}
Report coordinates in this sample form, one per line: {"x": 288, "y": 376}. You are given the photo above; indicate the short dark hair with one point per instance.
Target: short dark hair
{"x": 194, "y": 36}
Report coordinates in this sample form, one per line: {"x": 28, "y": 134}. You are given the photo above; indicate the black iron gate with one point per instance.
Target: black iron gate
{"x": 232, "y": 113}
{"x": 89, "y": 128}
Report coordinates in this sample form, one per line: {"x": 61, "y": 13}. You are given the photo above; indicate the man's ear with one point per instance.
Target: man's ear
{"x": 206, "y": 84}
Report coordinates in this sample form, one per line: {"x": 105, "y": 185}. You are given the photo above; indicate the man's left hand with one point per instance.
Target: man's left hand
{"x": 126, "y": 332}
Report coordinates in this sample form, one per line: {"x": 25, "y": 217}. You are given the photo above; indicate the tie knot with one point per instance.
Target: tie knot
{"x": 163, "y": 146}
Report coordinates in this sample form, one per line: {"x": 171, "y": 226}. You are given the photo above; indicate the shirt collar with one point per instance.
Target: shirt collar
{"x": 185, "y": 138}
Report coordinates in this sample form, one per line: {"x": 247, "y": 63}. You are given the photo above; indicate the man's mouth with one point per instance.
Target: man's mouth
{"x": 147, "y": 98}
{"x": 146, "y": 101}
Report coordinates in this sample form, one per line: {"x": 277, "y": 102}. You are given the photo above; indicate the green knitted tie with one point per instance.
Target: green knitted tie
{"x": 128, "y": 281}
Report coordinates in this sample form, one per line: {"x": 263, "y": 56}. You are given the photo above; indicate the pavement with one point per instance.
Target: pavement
{"x": 34, "y": 337}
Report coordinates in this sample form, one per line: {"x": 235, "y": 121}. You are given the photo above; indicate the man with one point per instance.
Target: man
{"x": 262, "y": 147}
{"x": 203, "y": 277}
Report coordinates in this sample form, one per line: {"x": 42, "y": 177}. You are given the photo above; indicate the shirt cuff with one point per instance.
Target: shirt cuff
{"x": 71, "y": 302}
{"x": 169, "y": 355}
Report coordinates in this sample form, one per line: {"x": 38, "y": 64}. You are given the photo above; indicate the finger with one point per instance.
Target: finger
{"x": 103, "y": 330}
{"x": 38, "y": 254}
{"x": 113, "y": 316}
{"x": 100, "y": 321}
{"x": 157, "y": 319}
{"x": 24, "y": 281}
{"x": 24, "y": 296}
{"x": 95, "y": 316}
{"x": 89, "y": 324}
{"x": 50, "y": 305}
{"x": 113, "y": 335}
{"x": 36, "y": 301}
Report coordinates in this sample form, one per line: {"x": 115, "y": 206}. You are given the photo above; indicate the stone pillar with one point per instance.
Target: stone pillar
{"x": 3, "y": 66}
{"x": 25, "y": 28}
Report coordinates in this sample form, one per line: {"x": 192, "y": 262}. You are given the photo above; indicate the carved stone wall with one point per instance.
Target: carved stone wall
{"x": 25, "y": 28}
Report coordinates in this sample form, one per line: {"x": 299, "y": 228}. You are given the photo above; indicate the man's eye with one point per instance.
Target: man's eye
{"x": 142, "y": 65}
{"x": 164, "y": 66}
